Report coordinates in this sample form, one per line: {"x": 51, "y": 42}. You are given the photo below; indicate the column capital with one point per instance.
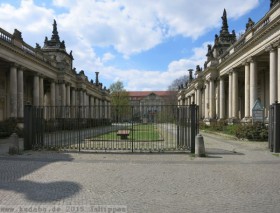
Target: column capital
{"x": 13, "y": 64}
{"x": 251, "y": 59}
{"x": 245, "y": 62}
{"x": 270, "y": 48}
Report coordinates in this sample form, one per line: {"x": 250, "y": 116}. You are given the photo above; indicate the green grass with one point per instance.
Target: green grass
{"x": 141, "y": 132}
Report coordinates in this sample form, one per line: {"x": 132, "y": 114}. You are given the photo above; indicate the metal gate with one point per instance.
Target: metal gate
{"x": 274, "y": 127}
{"x": 107, "y": 128}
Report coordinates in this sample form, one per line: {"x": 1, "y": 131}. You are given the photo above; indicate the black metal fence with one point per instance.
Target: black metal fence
{"x": 131, "y": 128}
{"x": 274, "y": 128}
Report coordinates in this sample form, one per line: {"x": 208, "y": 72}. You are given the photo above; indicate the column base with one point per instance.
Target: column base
{"x": 246, "y": 120}
{"x": 209, "y": 121}
{"x": 232, "y": 121}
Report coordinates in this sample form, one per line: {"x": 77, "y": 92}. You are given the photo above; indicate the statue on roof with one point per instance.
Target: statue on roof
{"x": 224, "y": 29}
{"x": 55, "y": 35}
{"x": 250, "y": 24}
{"x": 62, "y": 44}
{"x": 209, "y": 52}
{"x": 273, "y": 2}
{"x": 190, "y": 74}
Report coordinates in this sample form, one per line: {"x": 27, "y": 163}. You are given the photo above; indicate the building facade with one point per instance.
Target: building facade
{"x": 42, "y": 76}
{"x": 238, "y": 71}
{"x": 148, "y": 104}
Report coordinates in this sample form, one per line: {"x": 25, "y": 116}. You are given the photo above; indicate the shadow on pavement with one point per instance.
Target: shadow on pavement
{"x": 215, "y": 151}
{"x": 15, "y": 169}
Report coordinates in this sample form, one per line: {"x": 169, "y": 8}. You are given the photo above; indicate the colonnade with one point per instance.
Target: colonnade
{"x": 59, "y": 94}
{"x": 232, "y": 94}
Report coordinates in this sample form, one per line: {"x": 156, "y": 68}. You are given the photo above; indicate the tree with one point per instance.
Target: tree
{"x": 172, "y": 98}
{"x": 120, "y": 101}
{"x": 178, "y": 82}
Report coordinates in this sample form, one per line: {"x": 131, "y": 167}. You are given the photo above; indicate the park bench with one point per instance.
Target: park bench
{"x": 123, "y": 133}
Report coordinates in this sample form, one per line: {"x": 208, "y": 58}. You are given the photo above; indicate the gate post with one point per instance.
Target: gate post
{"x": 28, "y": 136}
{"x": 276, "y": 127}
{"x": 193, "y": 116}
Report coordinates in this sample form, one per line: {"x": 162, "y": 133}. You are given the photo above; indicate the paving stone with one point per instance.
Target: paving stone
{"x": 236, "y": 176}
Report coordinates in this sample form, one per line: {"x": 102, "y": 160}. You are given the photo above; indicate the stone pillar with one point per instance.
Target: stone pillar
{"x": 97, "y": 105}
{"x": 53, "y": 103}
{"x": 68, "y": 95}
{"x": 253, "y": 84}
{"x": 13, "y": 91}
{"x": 86, "y": 104}
{"x": 198, "y": 101}
{"x": 36, "y": 90}
{"x": 63, "y": 94}
{"x": 57, "y": 95}
{"x": 73, "y": 97}
{"x": 212, "y": 99}
{"x": 272, "y": 76}
{"x": 20, "y": 92}
{"x": 222, "y": 98}
{"x": 41, "y": 91}
{"x": 247, "y": 90}
{"x": 217, "y": 99}
{"x": 73, "y": 103}
{"x": 191, "y": 99}
{"x": 109, "y": 110}
{"x": 206, "y": 113}
{"x": 53, "y": 100}
{"x": 230, "y": 95}
{"x": 235, "y": 94}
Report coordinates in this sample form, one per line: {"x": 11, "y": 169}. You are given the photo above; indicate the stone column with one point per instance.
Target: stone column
{"x": 63, "y": 94}
{"x": 97, "y": 105}
{"x": 20, "y": 92}
{"x": 198, "y": 101}
{"x": 53, "y": 103}
{"x": 230, "y": 95}
{"x": 36, "y": 90}
{"x": 73, "y": 97}
{"x": 206, "y": 114}
{"x": 68, "y": 95}
{"x": 212, "y": 99}
{"x": 109, "y": 110}
{"x": 217, "y": 99}
{"x": 41, "y": 91}
{"x": 86, "y": 104}
{"x": 13, "y": 91}
{"x": 272, "y": 76}
{"x": 57, "y": 95}
{"x": 247, "y": 90}
{"x": 253, "y": 84}
{"x": 222, "y": 98}
{"x": 192, "y": 99}
{"x": 235, "y": 94}
{"x": 73, "y": 103}
{"x": 53, "y": 100}
{"x": 92, "y": 106}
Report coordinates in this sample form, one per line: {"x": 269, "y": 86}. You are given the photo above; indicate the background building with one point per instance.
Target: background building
{"x": 147, "y": 104}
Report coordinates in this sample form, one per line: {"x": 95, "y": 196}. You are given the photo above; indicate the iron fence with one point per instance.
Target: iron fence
{"x": 129, "y": 128}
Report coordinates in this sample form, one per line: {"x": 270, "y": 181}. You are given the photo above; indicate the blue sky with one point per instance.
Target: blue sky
{"x": 146, "y": 44}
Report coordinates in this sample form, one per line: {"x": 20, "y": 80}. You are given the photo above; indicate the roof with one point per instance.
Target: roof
{"x": 146, "y": 93}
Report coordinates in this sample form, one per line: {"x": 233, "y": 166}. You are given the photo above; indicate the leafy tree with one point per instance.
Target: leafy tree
{"x": 178, "y": 82}
{"x": 120, "y": 101}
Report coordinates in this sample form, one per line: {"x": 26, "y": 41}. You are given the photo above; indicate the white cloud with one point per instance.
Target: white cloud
{"x": 107, "y": 57}
{"x": 130, "y": 27}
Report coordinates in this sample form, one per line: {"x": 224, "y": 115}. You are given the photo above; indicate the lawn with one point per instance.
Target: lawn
{"x": 141, "y": 132}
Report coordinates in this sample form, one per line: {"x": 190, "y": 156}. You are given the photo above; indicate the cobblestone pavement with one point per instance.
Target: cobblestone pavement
{"x": 236, "y": 176}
